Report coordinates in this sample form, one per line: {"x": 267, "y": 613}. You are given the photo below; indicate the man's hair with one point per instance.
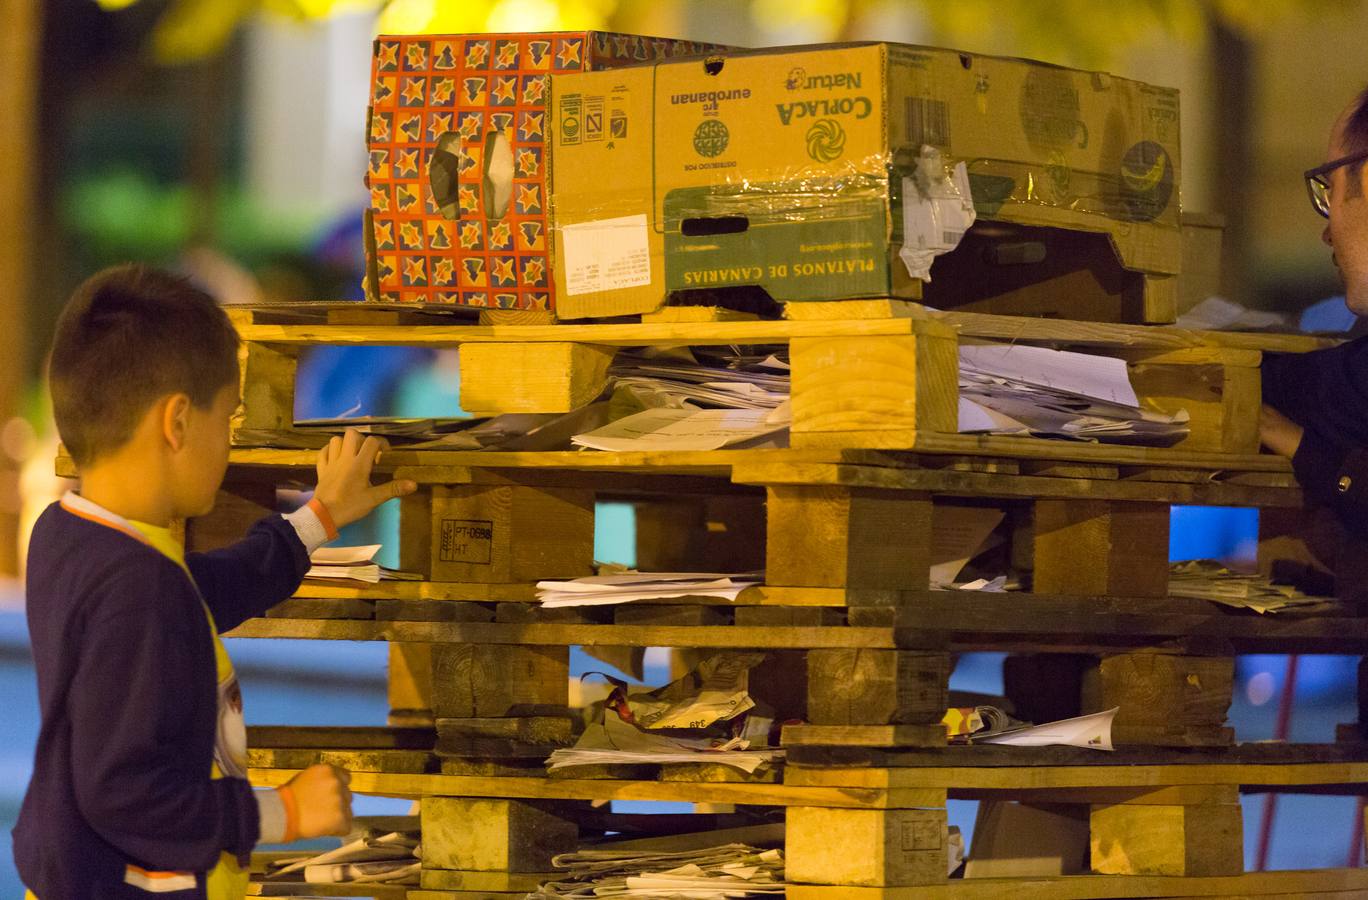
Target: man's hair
{"x": 129, "y": 336}
{"x": 1354, "y": 139}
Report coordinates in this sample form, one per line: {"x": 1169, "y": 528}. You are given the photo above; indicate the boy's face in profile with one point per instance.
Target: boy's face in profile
{"x": 201, "y": 464}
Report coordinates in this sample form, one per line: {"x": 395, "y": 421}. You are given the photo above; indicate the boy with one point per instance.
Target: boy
{"x": 139, "y": 777}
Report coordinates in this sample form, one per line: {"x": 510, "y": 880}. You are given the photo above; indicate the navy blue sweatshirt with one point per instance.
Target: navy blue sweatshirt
{"x": 128, "y": 692}
{"x": 1326, "y": 392}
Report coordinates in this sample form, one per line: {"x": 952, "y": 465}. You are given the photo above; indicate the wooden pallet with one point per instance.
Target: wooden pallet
{"x": 841, "y": 524}
{"x": 866, "y": 374}
{"x": 1164, "y": 819}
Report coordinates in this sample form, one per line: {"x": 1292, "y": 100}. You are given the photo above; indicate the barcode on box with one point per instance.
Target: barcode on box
{"x": 928, "y": 122}
{"x": 951, "y": 238}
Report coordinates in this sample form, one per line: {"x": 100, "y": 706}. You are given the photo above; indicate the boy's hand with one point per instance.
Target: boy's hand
{"x": 322, "y": 801}
{"x": 344, "y": 473}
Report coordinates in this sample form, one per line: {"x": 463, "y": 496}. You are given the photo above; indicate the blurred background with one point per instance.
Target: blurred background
{"x": 225, "y": 138}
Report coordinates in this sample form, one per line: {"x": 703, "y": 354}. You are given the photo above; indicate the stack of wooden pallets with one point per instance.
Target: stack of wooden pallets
{"x": 860, "y": 647}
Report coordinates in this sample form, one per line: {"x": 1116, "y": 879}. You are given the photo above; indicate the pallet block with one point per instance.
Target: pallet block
{"x": 1164, "y": 699}
{"x": 497, "y": 533}
{"x": 819, "y": 536}
{"x": 874, "y": 391}
{"x": 409, "y": 683}
{"x": 549, "y": 377}
{"x": 873, "y": 847}
{"x": 494, "y": 835}
{"x": 876, "y": 687}
{"x": 268, "y": 386}
{"x": 700, "y": 534}
{"x": 1101, "y": 548}
{"x": 1203, "y": 839}
{"x": 476, "y": 681}
{"x": 1219, "y": 388}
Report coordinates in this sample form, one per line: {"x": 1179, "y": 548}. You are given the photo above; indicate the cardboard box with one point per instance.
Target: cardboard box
{"x": 457, "y": 172}
{"x": 794, "y": 170}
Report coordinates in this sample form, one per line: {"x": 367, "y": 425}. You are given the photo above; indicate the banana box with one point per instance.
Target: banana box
{"x": 457, "y": 160}
{"x": 867, "y": 170}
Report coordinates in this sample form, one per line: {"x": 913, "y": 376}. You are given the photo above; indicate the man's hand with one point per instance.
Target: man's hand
{"x": 322, "y": 801}
{"x": 1278, "y": 433}
{"x": 344, "y": 473}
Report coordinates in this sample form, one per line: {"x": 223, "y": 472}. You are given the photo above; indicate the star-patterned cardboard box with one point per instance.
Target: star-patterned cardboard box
{"x": 457, "y": 171}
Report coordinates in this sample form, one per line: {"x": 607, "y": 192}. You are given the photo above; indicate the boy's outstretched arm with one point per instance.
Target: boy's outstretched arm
{"x": 248, "y": 578}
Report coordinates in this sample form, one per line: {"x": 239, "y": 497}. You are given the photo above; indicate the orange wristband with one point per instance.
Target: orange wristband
{"x": 287, "y": 800}
{"x": 325, "y": 517}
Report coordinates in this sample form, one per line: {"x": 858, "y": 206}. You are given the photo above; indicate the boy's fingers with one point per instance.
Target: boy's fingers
{"x": 370, "y": 449}
{"x": 391, "y": 489}
{"x": 351, "y": 441}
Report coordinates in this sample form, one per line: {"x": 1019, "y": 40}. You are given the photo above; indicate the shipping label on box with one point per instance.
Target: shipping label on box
{"x": 827, "y": 173}
{"x": 457, "y": 161}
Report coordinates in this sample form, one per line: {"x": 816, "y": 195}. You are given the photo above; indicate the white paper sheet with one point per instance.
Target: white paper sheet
{"x": 1100, "y": 377}
{"x": 1092, "y": 732}
{"x": 606, "y": 255}
{"x": 344, "y": 556}
{"x": 937, "y": 210}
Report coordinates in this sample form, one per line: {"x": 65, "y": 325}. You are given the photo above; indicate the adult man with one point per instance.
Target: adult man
{"x": 1316, "y": 404}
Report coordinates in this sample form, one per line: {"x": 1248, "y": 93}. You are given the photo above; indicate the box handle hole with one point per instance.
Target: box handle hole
{"x": 700, "y": 226}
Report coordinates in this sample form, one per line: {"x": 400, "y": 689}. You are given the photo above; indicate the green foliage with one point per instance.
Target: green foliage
{"x": 123, "y": 214}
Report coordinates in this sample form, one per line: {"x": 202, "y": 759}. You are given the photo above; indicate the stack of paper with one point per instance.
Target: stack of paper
{"x": 373, "y": 857}
{"x": 681, "y": 383}
{"x": 602, "y": 590}
{"x": 729, "y": 870}
{"x": 1020, "y": 389}
{"x": 677, "y": 403}
{"x": 1206, "y": 579}
{"x": 615, "y": 742}
{"x": 353, "y": 564}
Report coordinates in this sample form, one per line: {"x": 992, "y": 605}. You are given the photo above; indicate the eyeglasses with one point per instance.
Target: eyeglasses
{"x": 1318, "y": 181}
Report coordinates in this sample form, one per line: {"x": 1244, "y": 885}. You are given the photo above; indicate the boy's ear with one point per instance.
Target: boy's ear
{"x": 176, "y": 420}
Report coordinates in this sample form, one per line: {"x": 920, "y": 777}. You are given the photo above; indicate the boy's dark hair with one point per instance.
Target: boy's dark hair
{"x": 1354, "y": 139}
{"x": 129, "y": 335}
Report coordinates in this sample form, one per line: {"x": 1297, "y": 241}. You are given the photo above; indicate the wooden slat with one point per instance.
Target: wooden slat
{"x": 1312, "y": 883}
{"x": 1009, "y": 778}
{"x": 976, "y": 484}
{"x": 521, "y": 787}
{"x": 1007, "y": 328}
{"x": 809, "y": 762}
{"x": 720, "y": 462}
{"x": 794, "y": 638}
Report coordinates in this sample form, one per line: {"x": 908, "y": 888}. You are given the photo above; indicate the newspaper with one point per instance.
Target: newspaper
{"x": 615, "y": 742}
{"x": 372, "y": 856}
{"x": 725, "y": 871}
{"x": 718, "y": 689}
{"x": 1206, "y": 579}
